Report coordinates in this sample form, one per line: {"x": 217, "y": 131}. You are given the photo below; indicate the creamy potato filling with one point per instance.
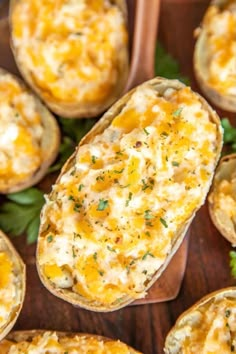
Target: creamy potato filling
{"x": 225, "y": 198}
{"x": 112, "y": 218}
{"x": 221, "y": 45}
{"x": 74, "y": 51}
{"x": 8, "y": 287}
{"x": 212, "y": 329}
{"x": 21, "y": 132}
{"x": 50, "y": 343}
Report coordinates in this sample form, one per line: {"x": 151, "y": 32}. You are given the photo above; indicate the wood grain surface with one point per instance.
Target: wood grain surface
{"x": 144, "y": 326}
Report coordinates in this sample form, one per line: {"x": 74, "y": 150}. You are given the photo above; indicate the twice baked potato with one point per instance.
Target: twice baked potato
{"x": 29, "y": 136}
{"x": 75, "y": 56}
{"x": 209, "y": 326}
{"x": 222, "y": 199}
{"x": 215, "y": 53}
{"x": 125, "y": 199}
{"x": 47, "y": 342}
{"x": 12, "y": 285}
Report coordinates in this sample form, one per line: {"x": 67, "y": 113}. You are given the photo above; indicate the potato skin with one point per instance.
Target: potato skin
{"x": 19, "y": 336}
{"x": 159, "y": 85}
{"x": 226, "y": 102}
{"x": 226, "y": 167}
{"x": 20, "y": 269}
{"x": 50, "y": 144}
{"x": 171, "y": 341}
{"x": 74, "y": 109}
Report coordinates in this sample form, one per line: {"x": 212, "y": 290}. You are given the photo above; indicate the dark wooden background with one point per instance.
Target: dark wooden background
{"x": 144, "y": 327}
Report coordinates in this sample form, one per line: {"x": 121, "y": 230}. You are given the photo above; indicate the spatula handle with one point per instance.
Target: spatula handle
{"x": 144, "y": 42}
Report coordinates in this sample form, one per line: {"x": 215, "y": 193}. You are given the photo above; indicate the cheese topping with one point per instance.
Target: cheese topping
{"x": 74, "y": 51}
{"x": 50, "y": 343}
{"x": 221, "y": 46}
{"x": 212, "y": 329}
{"x": 112, "y": 218}
{"x": 9, "y": 299}
{"x": 21, "y": 132}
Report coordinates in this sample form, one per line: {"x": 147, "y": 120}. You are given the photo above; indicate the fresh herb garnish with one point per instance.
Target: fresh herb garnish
{"x": 111, "y": 249}
{"x": 177, "y": 113}
{"x": 232, "y": 263}
{"x": 94, "y": 158}
{"x": 49, "y": 238}
{"x": 175, "y": 163}
{"x": 227, "y": 313}
{"x": 147, "y": 215}
{"x": 167, "y": 66}
{"x": 145, "y": 131}
{"x": 164, "y": 223}
{"x": 21, "y": 213}
{"x": 102, "y": 205}
{"x": 229, "y": 135}
{"x": 81, "y": 186}
{"x": 129, "y": 199}
{"x": 101, "y": 272}
{"x": 148, "y": 253}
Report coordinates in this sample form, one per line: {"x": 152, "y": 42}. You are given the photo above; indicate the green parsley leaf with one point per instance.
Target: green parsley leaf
{"x": 145, "y": 131}
{"x": 175, "y": 163}
{"x": 229, "y": 134}
{"x": 49, "y": 238}
{"x": 81, "y": 186}
{"x": 177, "y": 113}
{"x": 94, "y": 158}
{"x": 232, "y": 263}
{"x": 148, "y": 253}
{"x": 21, "y": 213}
{"x": 167, "y": 66}
{"x": 111, "y": 249}
{"x": 147, "y": 215}
{"x": 163, "y": 222}
{"x": 103, "y": 204}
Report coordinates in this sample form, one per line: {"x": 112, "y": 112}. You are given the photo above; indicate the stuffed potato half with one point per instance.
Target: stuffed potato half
{"x": 75, "y": 56}
{"x": 125, "y": 199}
{"x": 222, "y": 198}
{"x": 12, "y": 285}
{"x": 206, "y": 327}
{"x": 47, "y": 342}
{"x": 29, "y": 136}
{"x": 215, "y": 53}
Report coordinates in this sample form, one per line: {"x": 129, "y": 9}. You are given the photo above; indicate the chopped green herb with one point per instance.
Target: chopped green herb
{"x": 129, "y": 199}
{"x": 103, "y": 204}
{"x": 163, "y": 222}
{"x": 232, "y": 255}
{"x": 175, "y": 163}
{"x": 95, "y": 256}
{"x": 178, "y": 112}
{"x": 71, "y": 197}
{"x": 164, "y": 134}
{"x": 148, "y": 233}
{"x": 147, "y": 215}
{"x": 73, "y": 251}
{"x": 111, "y": 249}
{"x": 145, "y": 131}
{"x": 227, "y": 313}
{"x": 148, "y": 253}
{"x": 81, "y": 186}
{"x": 119, "y": 171}
{"x": 125, "y": 186}
{"x": 101, "y": 272}
{"x": 99, "y": 178}
{"x": 94, "y": 158}
{"x": 77, "y": 235}
{"x": 49, "y": 238}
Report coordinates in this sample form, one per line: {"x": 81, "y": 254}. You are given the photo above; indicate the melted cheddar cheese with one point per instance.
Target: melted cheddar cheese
{"x": 113, "y": 216}
{"x": 212, "y": 329}
{"x": 221, "y": 46}
{"x": 50, "y": 343}
{"x": 8, "y": 288}
{"x": 72, "y": 51}
{"x": 21, "y": 132}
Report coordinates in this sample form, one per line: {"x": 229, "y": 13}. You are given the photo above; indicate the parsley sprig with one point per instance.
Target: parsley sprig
{"x": 232, "y": 263}
{"x": 229, "y": 135}
{"x": 21, "y": 213}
